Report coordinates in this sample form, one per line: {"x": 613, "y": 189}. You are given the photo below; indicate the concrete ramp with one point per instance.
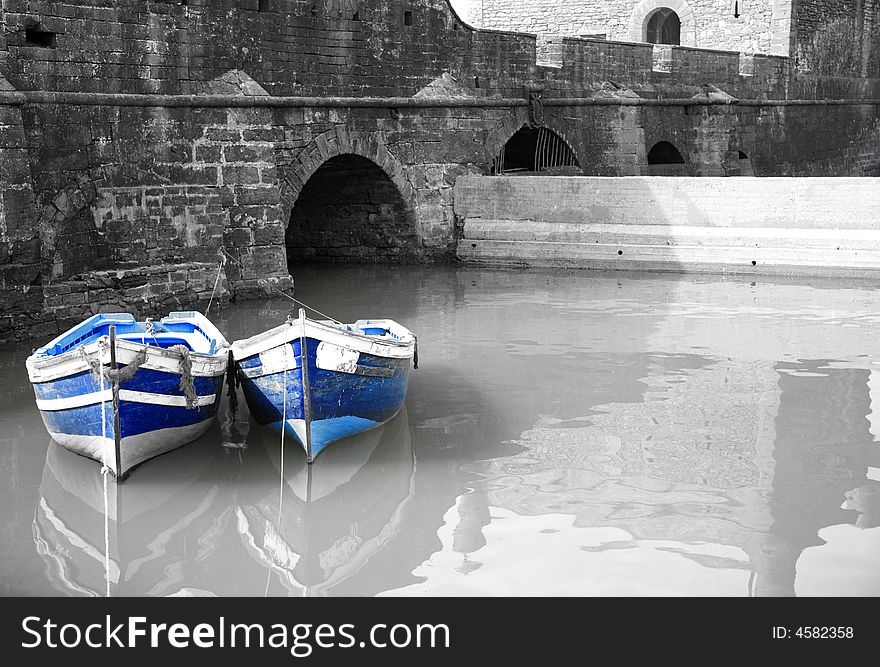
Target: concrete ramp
{"x": 810, "y": 226}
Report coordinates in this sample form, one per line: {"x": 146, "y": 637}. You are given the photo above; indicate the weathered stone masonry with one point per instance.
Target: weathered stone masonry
{"x": 833, "y": 37}
{"x": 143, "y": 142}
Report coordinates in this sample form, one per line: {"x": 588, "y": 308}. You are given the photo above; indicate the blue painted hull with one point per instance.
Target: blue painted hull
{"x": 155, "y": 414}
{"x": 341, "y": 404}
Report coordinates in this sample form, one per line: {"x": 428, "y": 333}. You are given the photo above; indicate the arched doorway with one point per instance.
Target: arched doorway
{"x": 663, "y": 26}
{"x": 536, "y": 150}
{"x": 664, "y": 159}
{"x": 350, "y": 211}
{"x": 670, "y": 22}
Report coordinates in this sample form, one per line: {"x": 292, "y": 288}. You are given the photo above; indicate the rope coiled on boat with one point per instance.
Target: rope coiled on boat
{"x": 115, "y": 375}
{"x": 187, "y": 386}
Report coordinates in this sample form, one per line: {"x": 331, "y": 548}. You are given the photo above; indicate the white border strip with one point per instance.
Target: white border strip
{"x": 288, "y": 332}
{"x": 55, "y": 404}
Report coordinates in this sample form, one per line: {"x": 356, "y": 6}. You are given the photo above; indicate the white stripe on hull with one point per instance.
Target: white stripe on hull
{"x": 135, "y": 449}
{"x": 54, "y": 404}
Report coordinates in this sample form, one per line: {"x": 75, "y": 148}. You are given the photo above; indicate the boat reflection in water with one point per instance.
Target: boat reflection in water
{"x": 321, "y": 523}
{"x": 162, "y": 526}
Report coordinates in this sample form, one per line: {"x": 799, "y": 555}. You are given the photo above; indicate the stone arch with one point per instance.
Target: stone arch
{"x": 330, "y": 144}
{"x": 643, "y": 10}
{"x": 501, "y": 135}
{"x": 738, "y": 163}
{"x": 347, "y": 198}
{"x": 664, "y": 159}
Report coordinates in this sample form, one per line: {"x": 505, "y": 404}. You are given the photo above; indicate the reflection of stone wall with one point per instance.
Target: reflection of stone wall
{"x": 696, "y": 434}
{"x": 692, "y": 462}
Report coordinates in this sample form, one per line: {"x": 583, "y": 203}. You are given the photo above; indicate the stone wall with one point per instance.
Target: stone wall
{"x": 291, "y": 47}
{"x": 726, "y": 225}
{"x": 839, "y": 37}
{"x": 709, "y": 24}
{"x": 144, "y": 143}
{"x": 829, "y": 37}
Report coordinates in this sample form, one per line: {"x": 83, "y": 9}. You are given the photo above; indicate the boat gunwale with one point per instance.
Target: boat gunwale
{"x": 200, "y": 322}
{"x": 205, "y": 364}
{"x": 292, "y": 330}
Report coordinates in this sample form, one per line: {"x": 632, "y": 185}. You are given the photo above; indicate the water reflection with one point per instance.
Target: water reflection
{"x": 157, "y": 535}
{"x": 320, "y": 524}
{"x": 566, "y": 434}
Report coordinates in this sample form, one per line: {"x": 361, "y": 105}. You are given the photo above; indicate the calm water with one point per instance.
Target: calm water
{"x": 566, "y": 434}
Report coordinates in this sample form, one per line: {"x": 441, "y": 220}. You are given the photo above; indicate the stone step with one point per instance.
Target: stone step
{"x": 669, "y": 235}
{"x": 700, "y": 258}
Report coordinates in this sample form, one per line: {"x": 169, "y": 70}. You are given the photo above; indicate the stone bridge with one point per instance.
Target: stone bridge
{"x": 152, "y": 150}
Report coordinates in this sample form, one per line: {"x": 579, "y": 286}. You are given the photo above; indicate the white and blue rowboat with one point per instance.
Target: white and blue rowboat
{"x": 354, "y": 379}
{"x": 169, "y": 375}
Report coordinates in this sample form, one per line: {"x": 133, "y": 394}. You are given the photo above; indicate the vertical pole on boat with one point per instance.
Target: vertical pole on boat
{"x": 114, "y": 383}
{"x": 307, "y": 400}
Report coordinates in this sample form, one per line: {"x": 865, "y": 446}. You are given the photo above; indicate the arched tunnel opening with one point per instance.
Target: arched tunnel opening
{"x": 665, "y": 160}
{"x": 350, "y": 211}
{"x": 535, "y": 150}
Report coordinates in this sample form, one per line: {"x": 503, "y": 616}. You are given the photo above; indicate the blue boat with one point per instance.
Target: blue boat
{"x": 354, "y": 379}
{"x": 169, "y": 376}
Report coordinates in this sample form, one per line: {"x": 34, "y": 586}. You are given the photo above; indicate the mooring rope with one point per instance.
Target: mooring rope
{"x": 104, "y": 471}
{"x": 284, "y": 294}
{"x": 415, "y": 353}
{"x": 283, "y": 429}
{"x": 216, "y": 282}
{"x": 231, "y": 386}
{"x": 278, "y": 532}
{"x": 187, "y": 385}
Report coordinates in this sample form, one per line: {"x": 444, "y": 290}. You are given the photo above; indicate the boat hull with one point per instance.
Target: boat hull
{"x": 151, "y": 422}
{"x": 343, "y": 391}
{"x": 75, "y": 399}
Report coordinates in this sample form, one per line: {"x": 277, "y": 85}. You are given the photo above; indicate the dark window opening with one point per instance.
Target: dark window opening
{"x": 744, "y": 166}
{"x": 536, "y": 150}
{"x": 476, "y": 82}
{"x": 736, "y": 9}
{"x": 356, "y": 16}
{"x": 38, "y": 37}
{"x": 407, "y": 18}
{"x": 663, "y": 27}
{"x": 664, "y": 153}
{"x": 350, "y": 211}
{"x": 665, "y": 160}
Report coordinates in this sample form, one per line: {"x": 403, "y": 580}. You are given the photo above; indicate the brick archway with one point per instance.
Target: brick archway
{"x": 643, "y": 10}
{"x": 334, "y": 143}
{"x": 504, "y": 132}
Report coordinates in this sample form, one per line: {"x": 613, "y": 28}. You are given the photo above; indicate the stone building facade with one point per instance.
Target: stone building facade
{"x": 839, "y": 37}
{"x": 152, "y": 150}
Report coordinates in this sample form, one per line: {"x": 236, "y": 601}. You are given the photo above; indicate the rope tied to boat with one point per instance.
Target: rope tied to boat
{"x": 187, "y": 386}
{"x": 416, "y": 353}
{"x": 105, "y": 470}
{"x": 216, "y": 281}
{"x": 115, "y": 375}
{"x": 232, "y": 383}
